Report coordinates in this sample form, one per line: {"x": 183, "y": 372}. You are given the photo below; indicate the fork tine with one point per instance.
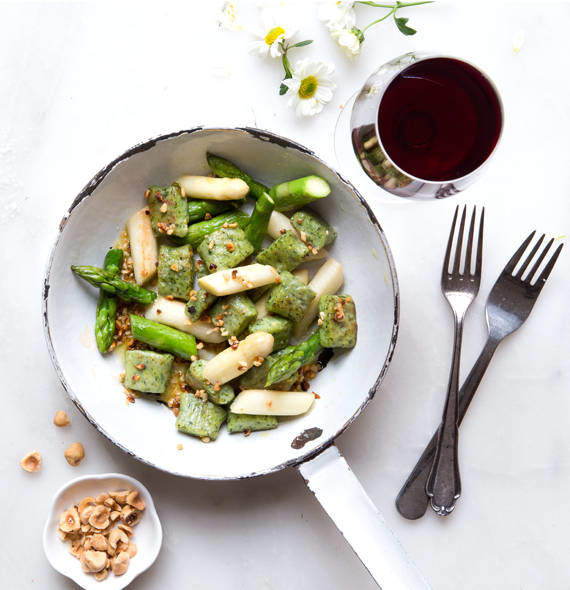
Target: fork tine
{"x": 530, "y": 257}
{"x": 548, "y": 269}
{"x": 467, "y": 270}
{"x": 450, "y": 243}
{"x": 479, "y": 259}
{"x": 517, "y": 255}
{"x": 539, "y": 260}
{"x": 459, "y": 242}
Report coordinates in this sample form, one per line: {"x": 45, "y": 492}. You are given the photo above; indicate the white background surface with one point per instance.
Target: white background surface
{"x": 81, "y": 82}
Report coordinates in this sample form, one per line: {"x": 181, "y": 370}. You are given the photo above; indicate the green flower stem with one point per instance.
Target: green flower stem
{"x": 395, "y": 5}
{"x": 375, "y": 22}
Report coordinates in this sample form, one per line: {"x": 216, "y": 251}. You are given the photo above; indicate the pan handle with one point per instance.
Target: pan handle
{"x": 335, "y": 486}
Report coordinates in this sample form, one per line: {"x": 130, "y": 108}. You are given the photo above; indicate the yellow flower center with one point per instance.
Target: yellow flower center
{"x": 274, "y": 34}
{"x": 308, "y": 86}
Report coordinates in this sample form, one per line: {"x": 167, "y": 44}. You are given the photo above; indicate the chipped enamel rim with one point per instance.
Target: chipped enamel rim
{"x": 263, "y": 135}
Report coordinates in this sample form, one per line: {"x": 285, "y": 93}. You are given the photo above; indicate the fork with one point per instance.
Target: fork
{"x": 509, "y": 304}
{"x": 460, "y": 287}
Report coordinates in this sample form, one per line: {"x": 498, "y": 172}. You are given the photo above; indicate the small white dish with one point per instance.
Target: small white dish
{"x": 147, "y": 537}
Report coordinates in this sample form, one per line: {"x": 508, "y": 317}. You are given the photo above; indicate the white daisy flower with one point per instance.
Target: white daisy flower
{"x": 337, "y": 14}
{"x": 270, "y": 34}
{"x": 518, "y": 41}
{"x": 227, "y": 17}
{"x": 349, "y": 40}
{"x": 311, "y": 87}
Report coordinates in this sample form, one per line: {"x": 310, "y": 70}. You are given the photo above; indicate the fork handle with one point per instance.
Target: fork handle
{"x": 412, "y": 500}
{"x": 444, "y": 483}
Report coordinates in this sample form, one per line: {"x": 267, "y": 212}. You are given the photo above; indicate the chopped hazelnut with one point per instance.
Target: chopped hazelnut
{"x": 93, "y": 561}
{"x": 102, "y": 575}
{"x": 130, "y": 515}
{"x": 120, "y": 497}
{"x": 69, "y": 521}
{"x": 98, "y": 542}
{"x": 135, "y": 500}
{"x": 85, "y": 508}
{"x": 129, "y": 531}
{"x": 74, "y": 454}
{"x": 120, "y": 563}
{"x": 99, "y": 518}
{"x": 117, "y": 535}
{"x": 31, "y": 462}
{"x": 60, "y": 419}
{"x": 132, "y": 550}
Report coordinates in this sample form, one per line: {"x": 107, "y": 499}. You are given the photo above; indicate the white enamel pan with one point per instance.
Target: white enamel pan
{"x": 346, "y": 386}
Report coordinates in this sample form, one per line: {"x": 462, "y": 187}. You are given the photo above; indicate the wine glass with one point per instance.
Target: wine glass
{"x": 424, "y": 125}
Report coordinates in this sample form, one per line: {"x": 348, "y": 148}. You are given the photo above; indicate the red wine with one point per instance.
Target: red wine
{"x": 439, "y": 119}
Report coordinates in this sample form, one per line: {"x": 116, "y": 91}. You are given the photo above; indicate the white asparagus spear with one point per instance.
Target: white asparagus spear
{"x": 235, "y": 280}
{"x": 231, "y": 363}
{"x": 144, "y": 249}
{"x": 171, "y": 313}
{"x": 302, "y": 274}
{"x": 327, "y": 281}
{"x": 278, "y": 225}
{"x": 272, "y": 403}
{"x": 216, "y": 189}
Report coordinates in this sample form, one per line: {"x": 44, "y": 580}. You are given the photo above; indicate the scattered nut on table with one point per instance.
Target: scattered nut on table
{"x": 31, "y": 462}
{"x": 74, "y": 454}
{"x": 60, "y": 419}
{"x": 89, "y": 527}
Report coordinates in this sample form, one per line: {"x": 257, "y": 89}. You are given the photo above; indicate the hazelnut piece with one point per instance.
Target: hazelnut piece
{"x": 116, "y": 536}
{"x": 31, "y": 462}
{"x": 126, "y": 528}
{"x": 60, "y": 419}
{"x": 74, "y": 454}
{"x": 98, "y": 542}
{"x": 93, "y": 561}
{"x": 135, "y": 500}
{"x": 120, "y": 497}
{"x": 85, "y": 508}
{"x": 110, "y": 503}
{"x": 120, "y": 563}
{"x": 130, "y": 515}
{"x": 69, "y": 521}
{"x": 102, "y": 575}
{"x": 99, "y": 518}
{"x": 76, "y": 548}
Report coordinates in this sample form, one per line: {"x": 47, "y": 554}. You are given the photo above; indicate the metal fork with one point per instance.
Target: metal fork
{"x": 460, "y": 287}
{"x": 508, "y": 306}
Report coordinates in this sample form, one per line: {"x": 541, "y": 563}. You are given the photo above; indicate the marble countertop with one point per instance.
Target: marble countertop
{"x": 81, "y": 82}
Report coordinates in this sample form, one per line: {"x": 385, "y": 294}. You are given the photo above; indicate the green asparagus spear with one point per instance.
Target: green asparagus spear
{"x": 107, "y": 304}
{"x": 163, "y": 337}
{"x": 225, "y": 168}
{"x": 114, "y": 285}
{"x": 293, "y": 358}
{"x": 113, "y": 261}
{"x": 297, "y": 193}
{"x": 198, "y": 231}
{"x": 197, "y": 210}
{"x": 257, "y": 227}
